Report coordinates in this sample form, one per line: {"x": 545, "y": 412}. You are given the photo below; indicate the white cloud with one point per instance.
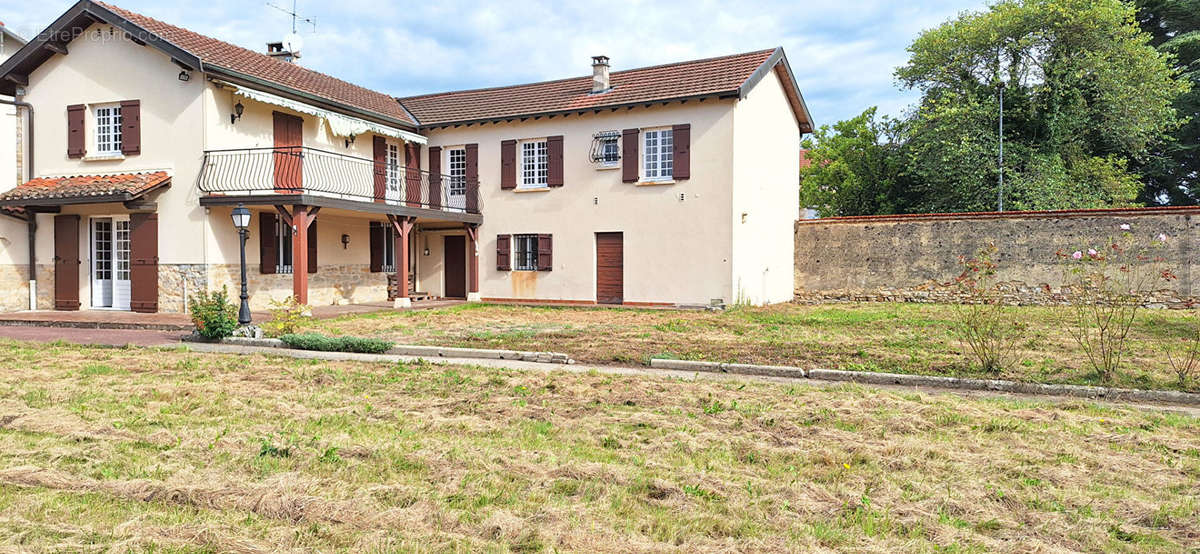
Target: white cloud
{"x": 843, "y": 53}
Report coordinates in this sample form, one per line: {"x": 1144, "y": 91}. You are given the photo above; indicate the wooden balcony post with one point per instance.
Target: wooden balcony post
{"x": 300, "y": 253}
{"x": 403, "y": 226}
{"x": 300, "y": 219}
{"x": 472, "y": 263}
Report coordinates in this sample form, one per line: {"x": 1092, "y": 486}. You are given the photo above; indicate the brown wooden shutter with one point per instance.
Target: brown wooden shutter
{"x": 508, "y": 164}
{"x": 75, "y": 134}
{"x": 66, "y": 262}
{"x": 143, "y": 271}
{"x": 312, "y": 247}
{"x": 435, "y": 177}
{"x": 377, "y": 240}
{"x": 504, "y": 252}
{"x": 554, "y": 161}
{"x": 131, "y": 127}
{"x": 629, "y": 155}
{"x": 472, "y": 176}
{"x": 267, "y": 249}
{"x": 545, "y": 253}
{"x": 379, "y": 155}
{"x": 681, "y": 137}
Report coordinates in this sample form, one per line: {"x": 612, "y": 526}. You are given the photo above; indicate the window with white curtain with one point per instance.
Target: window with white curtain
{"x": 534, "y": 164}
{"x": 659, "y": 155}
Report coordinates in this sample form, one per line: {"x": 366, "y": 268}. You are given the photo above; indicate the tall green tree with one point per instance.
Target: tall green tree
{"x": 854, "y": 168}
{"x": 1172, "y": 172}
{"x": 1085, "y": 92}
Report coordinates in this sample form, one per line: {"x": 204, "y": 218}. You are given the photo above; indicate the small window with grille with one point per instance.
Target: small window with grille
{"x": 526, "y": 249}
{"x": 606, "y": 149}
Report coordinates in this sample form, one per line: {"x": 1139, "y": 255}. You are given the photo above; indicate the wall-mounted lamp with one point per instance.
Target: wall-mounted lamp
{"x": 345, "y": 242}
{"x": 349, "y": 141}
{"x": 185, "y": 76}
{"x": 237, "y": 113}
{"x": 426, "y": 246}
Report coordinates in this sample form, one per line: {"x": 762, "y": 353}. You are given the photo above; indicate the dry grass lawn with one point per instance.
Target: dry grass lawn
{"x": 168, "y": 450}
{"x": 900, "y": 338}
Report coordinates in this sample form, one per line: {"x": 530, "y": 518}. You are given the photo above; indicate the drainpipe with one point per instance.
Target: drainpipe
{"x": 29, "y": 214}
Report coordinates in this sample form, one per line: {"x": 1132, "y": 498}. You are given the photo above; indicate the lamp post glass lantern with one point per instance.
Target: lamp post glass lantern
{"x": 241, "y": 220}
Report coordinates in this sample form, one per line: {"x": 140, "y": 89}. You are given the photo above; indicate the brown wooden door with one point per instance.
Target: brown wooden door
{"x": 66, "y": 262}
{"x": 456, "y": 266}
{"x": 143, "y": 272}
{"x": 289, "y": 156}
{"x": 610, "y": 268}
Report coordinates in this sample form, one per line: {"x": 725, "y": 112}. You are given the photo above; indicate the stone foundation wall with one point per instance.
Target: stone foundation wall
{"x": 176, "y": 282}
{"x": 330, "y": 285}
{"x": 14, "y": 282}
{"x": 334, "y": 284}
{"x": 914, "y": 258}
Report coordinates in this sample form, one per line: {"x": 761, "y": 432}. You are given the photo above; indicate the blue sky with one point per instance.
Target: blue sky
{"x": 843, "y": 53}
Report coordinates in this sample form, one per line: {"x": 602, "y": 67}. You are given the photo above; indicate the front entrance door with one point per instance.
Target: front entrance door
{"x": 289, "y": 156}
{"x": 456, "y": 266}
{"x": 110, "y": 262}
{"x": 610, "y": 268}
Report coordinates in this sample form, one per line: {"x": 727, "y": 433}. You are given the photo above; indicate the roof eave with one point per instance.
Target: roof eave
{"x": 74, "y": 21}
{"x": 791, "y": 88}
{"x": 595, "y": 109}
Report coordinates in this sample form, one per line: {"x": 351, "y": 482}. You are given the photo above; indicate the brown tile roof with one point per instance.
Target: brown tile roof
{"x": 724, "y": 74}
{"x": 84, "y": 186}
{"x": 235, "y": 58}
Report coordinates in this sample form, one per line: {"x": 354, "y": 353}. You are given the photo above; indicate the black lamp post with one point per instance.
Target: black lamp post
{"x": 241, "y": 220}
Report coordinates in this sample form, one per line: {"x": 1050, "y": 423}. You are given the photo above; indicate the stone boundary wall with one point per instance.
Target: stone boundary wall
{"x": 913, "y": 258}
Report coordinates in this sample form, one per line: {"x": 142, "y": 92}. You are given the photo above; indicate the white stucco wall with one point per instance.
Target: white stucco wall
{"x": 676, "y": 251}
{"x": 766, "y": 200}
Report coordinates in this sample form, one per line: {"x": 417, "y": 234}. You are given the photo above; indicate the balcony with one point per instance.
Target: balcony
{"x": 319, "y": 177}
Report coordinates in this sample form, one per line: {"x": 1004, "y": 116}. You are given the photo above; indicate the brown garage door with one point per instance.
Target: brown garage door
{"x": 610, "y": 268}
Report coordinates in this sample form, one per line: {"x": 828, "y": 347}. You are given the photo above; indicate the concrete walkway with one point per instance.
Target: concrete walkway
{"x": 76, "y": 335}
{"x": 1193, "y": 411}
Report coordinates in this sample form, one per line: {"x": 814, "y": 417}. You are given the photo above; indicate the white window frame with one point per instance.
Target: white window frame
{"x": 527, "y": 259}
{"x": 394, "y": 167}
{"x": 283, "y": 247}
{"x": 658, "y": 154}
{"x": 106, "y": 120}
{"x": 535, "y": 164}
{"x": 456, "y": 169}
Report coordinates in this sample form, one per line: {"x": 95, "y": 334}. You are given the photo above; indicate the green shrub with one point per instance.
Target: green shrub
{"x": 322, "y": 343}
{"x": 214, "y": 316}
{"x": 286, "y": 317}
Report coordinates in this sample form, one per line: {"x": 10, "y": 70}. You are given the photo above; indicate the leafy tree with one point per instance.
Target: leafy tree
{"x": 854, "y": 167}
{"x": 1084, "y": 91}
{"x": 1172, "y": 172}
{"x": 1087, "y": 98}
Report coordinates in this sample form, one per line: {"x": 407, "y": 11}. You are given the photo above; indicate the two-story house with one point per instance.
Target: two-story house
{"x": 674, "y": 184}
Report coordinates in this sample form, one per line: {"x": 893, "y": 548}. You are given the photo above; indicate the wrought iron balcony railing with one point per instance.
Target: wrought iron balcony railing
{"x": 304, "y": 170}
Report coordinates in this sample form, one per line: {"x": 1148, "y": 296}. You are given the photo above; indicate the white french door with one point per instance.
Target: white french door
{"x": 456, "y": 190}
{"x": 110, "y": 262}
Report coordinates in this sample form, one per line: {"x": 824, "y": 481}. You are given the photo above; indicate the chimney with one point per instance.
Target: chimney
{"x": 276, "y": 50}
{"x": 600, "y": 74}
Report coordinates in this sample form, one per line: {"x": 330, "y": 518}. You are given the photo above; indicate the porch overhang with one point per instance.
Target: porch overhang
{"x": 322, "y": 201}
{"x": 52, "y": 192}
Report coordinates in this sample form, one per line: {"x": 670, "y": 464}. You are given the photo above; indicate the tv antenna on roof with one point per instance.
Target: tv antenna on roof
{"x": 295, "y": 16}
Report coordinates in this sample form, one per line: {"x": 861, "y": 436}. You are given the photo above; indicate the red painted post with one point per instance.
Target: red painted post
{"x": 403, "y": 226}
{"x": 300, "y": 253}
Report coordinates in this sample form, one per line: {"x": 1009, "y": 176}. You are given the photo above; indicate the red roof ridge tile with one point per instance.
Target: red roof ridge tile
{"x": 588, "y": 78}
